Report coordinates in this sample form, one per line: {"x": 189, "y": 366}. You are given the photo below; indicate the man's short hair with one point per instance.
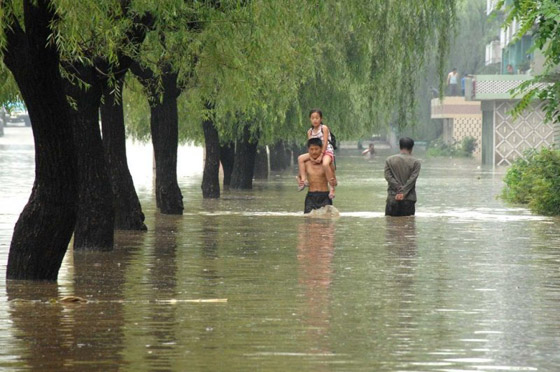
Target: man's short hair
{"x": 406, "y": 143}
{"x": 314, "y": 142}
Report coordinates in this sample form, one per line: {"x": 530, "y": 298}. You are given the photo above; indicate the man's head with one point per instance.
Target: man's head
{"x": 314, "y": 147}
{"x": 406, "y": 144}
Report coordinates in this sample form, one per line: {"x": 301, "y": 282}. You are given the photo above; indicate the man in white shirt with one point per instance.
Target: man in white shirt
{"x": 452, "y": 80}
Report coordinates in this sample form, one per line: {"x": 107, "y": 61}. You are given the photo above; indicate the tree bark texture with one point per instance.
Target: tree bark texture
{"x": 227, "y": 157}
{"x": 244, "y": 164}
{"x": 261, "y": 163}
{"x": 164, "y": 129}
{"x": 210, "y": 178}
{"x": 95, "y": 221}
{"x": 280, "y": 156}
{"x": 165, "y": 138}
{"x": 45, "y": 226}
{"x": 128, "y": 211}
{"x": 297, "y": 150}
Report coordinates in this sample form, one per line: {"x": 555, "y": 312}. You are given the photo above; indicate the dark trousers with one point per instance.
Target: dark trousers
{"x": 400, "y": 208}
{"x": 316, "y": 200}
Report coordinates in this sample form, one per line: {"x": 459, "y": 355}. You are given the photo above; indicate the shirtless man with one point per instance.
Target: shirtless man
{"x": 318, "y": 194}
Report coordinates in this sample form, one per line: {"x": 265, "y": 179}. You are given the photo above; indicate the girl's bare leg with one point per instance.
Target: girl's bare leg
{"x": 328, "y": 166}
{"x": 301, "y": 170}
{"x": 329, "y": 171}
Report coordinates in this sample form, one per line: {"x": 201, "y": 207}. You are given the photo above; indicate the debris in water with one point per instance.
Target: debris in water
{"x": 73, "y": 299}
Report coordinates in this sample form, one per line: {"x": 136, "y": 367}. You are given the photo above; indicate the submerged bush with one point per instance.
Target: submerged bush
{"x": 463, "y": 149}
{"x": 535, "y": 180}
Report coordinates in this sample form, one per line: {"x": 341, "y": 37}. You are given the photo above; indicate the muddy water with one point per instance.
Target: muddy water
{"x": 469, "y": 284}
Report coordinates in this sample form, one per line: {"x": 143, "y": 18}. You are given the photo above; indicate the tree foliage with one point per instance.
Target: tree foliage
{"x": 266, "y": 62}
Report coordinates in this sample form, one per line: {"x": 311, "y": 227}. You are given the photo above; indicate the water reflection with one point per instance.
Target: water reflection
{"x": 161, "y": 319}
{"x": 41, "y": 328}
{"x": 400, "y": 236}
{"x": 401, "y": 246}
{"x": 315, "y": 251}
{"x": 59, "y": 336}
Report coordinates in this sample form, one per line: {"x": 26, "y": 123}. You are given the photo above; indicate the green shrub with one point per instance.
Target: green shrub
{"x": 468, "y": 145}
{"x": 464, "y": 149}
{"x": 535, "y": 180}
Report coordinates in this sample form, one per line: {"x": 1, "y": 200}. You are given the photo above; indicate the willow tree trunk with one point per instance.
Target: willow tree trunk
{"x": 261, "y": 164}
{"x": 210, "y": 178}
{"x": 45, "y": 226}
{"x": 165, "y": 138}
{"x": 227, "y": 157}
{"x": 297, "y": 150}
{"x": 95, "y": 221}
{"x": 280, "y": 156}
{"x": 244, "y": 164}
{"x": 128, "y": 211}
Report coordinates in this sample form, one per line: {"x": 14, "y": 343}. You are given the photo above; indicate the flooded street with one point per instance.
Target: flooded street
{"x": 248, "y": 283}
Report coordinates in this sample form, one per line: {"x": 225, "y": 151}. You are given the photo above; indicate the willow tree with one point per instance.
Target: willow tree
{"x": 250, "y": 64}
{"x": 164, "y": 68}
{"x": 44, "y": 228}
{"x": 42, "y": 43}
{"x": 370, "y": 61}
{"x": 262, "y": 70}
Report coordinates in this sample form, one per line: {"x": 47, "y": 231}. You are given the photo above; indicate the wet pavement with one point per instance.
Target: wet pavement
{"x": 248, "y": 283}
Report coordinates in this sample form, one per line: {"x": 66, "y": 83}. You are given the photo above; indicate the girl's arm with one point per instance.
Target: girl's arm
{"x": 326, "y": 137}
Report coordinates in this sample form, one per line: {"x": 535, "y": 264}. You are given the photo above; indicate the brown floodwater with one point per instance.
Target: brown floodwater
{"x": 248, "y": 283}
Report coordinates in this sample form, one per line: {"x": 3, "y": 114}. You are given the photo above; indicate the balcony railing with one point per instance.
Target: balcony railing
{"x": 493, "y": 87}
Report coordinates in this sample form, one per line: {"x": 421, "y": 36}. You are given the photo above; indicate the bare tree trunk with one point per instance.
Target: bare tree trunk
{"x": 45, "y": 226}
{"x": 128, "y": 211}
{"x": 210, "y": 180}
{"x": 244, "y": 164}
{"x": 94, "y": 228}
{"x": 227, "y": 158}
{"x": 261, "y": 163}
{"x": 165, "y": 137}
{"x": 280, "y": 156}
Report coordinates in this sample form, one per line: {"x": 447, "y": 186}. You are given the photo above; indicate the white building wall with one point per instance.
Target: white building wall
{"x": 512, "y": 137}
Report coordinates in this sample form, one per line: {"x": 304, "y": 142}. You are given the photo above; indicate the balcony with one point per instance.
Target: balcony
{"x": 493, "y": 87}
{"x": 453, "y": 108}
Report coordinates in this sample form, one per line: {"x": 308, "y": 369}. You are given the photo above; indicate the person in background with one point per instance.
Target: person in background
{"x": 401, "y": 172}
{"x": 452, "y": 80}
{"x": 369, "y": 153}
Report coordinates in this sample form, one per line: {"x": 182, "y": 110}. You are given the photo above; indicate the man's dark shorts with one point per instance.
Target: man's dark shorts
{"x": 316, "y": 200}
{"x": 400, "y": 208}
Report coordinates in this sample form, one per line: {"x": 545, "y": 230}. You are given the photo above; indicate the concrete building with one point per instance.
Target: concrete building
{"x": 460, "y": 119}
{"x": 504, "y": 137}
